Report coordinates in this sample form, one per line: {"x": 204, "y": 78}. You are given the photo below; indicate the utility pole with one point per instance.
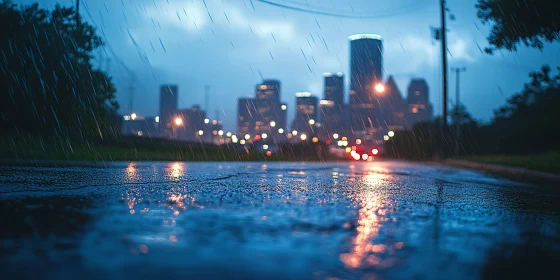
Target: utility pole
{"x": 444, "y": 65}
{"x": 458, "y": 71}
{"x": 77, "y": 14}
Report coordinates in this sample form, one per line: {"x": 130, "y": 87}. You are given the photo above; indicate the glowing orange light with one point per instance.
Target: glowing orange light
{"x": 380, "y": 88}
{"x": 178, "y": 121}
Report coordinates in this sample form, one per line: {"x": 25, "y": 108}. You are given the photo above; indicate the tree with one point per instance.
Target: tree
{"x": 529, "y": 120}
{"x": 529, "y": 22}
{"x": 48, "y": 82}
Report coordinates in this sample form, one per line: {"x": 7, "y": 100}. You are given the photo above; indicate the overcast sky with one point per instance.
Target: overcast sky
{"x": 231, "y": 44}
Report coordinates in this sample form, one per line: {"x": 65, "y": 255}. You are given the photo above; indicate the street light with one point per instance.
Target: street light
{"x": 264, "y": 136}
{"x": 157, "y": 119}
{"x": 228, "y": 134}
{"x": 303, "y": 137}
{"x": 200, "y": 132}
{"x": 284, "y": 107}
{"x": 358, "y": 141}
{"x": 221, "y": 132}
{"x": 247, "y": 136}
{"x": 311, "y": 122}
{"x": 386, "y": 137}
{"x": 391, "y": 133}
{"x": 206, "y": 120}
{"x": 265, "y": 147}
{"x": 272, "y": 124}
{"x": 133, "y": 116}
{"x": 242, "y": 142}
{"x": 335, "y": 136}
{"x": 178, "y": 121}
{"x": 379, "y": 88}
{"x": 280, "y": 130}
{"x": 294, "y": 132}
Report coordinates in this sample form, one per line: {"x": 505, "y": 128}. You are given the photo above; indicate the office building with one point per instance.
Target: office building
{"x": 246, "y": 116}
{"x": 366, "y": 72}
{"x": 391, "y": 110}
{"x": 331, "y": 108}
{"x": 306, "y": 112}
{"x": 418, "y": 104}
{"x": 168, "y": 106}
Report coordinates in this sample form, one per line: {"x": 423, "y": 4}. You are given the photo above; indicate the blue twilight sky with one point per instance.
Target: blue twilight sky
{"x": 231, "y": 44}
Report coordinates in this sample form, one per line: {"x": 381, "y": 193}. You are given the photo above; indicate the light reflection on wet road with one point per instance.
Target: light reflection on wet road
{"x": 274, "y": 220}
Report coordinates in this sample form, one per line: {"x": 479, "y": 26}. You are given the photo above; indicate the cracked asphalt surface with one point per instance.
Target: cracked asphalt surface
{"x": 378, "y": 220}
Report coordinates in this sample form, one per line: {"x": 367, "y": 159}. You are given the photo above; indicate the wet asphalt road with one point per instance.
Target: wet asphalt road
{"x": 378, "y": 220}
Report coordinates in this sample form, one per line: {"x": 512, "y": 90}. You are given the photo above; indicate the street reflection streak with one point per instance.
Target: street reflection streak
{"x": 363, "y": 251}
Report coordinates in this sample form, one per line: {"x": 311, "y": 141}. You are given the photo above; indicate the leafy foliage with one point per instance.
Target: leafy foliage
{"x": 513, "y": 22}
{"x": 47, "y": 79}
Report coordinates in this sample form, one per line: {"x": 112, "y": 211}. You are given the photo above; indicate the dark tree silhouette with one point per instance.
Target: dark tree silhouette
{"x": 47, "y": 79}
{"x": 530, "y": 22}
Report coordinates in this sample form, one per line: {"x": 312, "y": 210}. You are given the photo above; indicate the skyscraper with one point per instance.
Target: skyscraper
{"x": 270, "y": 115}
{"x": 168, "y": 105}
{"x": 246, "y": 114}
{"x": 332, "y": 106}
{"x": 306, "y": 112}
{"x": 418, "y": 103}
{"x": 366, "y": 71}
{"x": 391, "y": 107}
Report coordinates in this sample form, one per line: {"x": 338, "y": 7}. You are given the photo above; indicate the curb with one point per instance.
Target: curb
{"x": 516, "y": 171}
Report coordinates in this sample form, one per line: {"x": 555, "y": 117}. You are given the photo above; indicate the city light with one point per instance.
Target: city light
{"x": 140, "y": 133}
{"x": 344, "y": 138}
{"x": 365, "y": 156}
{"x": 268, "y": 153}
{"x": 242, "y": 142}
{"x": 133, "y": 116}
{"x": 234, "y": 138}
{"x": 215, "y": 132}
{"x": 264, "y": 136}
{"x": 214, "y": 122}
{"x": 348, "y": 150}
{"x": 178, "y": 121}
{"x": 391, "y": 133}
{"x": 344, "y": 143}
{"x": 228, "y": 134}
{"x": 280, "y": 130}
{"x": 284, "y": 107}
{"x": 339, "y": 143}
{"x": 315, "y": 140}
{"x": 294, "y": 132}
{"x": 265, "y": 147}
{"x": 303, "y": 94}
{"x": 272, "y": 124}
{"x": 126, "y": 117}
{"x": 157, "y": 119}
{"x": 380, "y": 88}
{"x": 358, "y": 141}
{"x": 221, "y": 132}
{"x": 385, "y": 137}
{"x": 311, "y": 122}
{"x": 303, "y": 137}
{"x": 247, "y": 136}
{"x": 200, "y": 132}
{"x": 374, "y": 152}
{"x": 206, "y": 121}
{"x": 335, "y": 136}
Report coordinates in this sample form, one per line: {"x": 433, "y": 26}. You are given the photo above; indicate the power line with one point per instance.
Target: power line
{"x": 409, "y": 8}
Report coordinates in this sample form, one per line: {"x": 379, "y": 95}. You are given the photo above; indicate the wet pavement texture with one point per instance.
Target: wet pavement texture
{"x": 376, "y": 220}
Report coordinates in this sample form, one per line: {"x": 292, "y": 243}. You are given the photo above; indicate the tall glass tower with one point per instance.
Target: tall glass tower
{"x": 366, "y": 70}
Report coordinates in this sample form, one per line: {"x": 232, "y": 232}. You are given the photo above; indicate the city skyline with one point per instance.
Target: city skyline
{"x": 232, "y": 54}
